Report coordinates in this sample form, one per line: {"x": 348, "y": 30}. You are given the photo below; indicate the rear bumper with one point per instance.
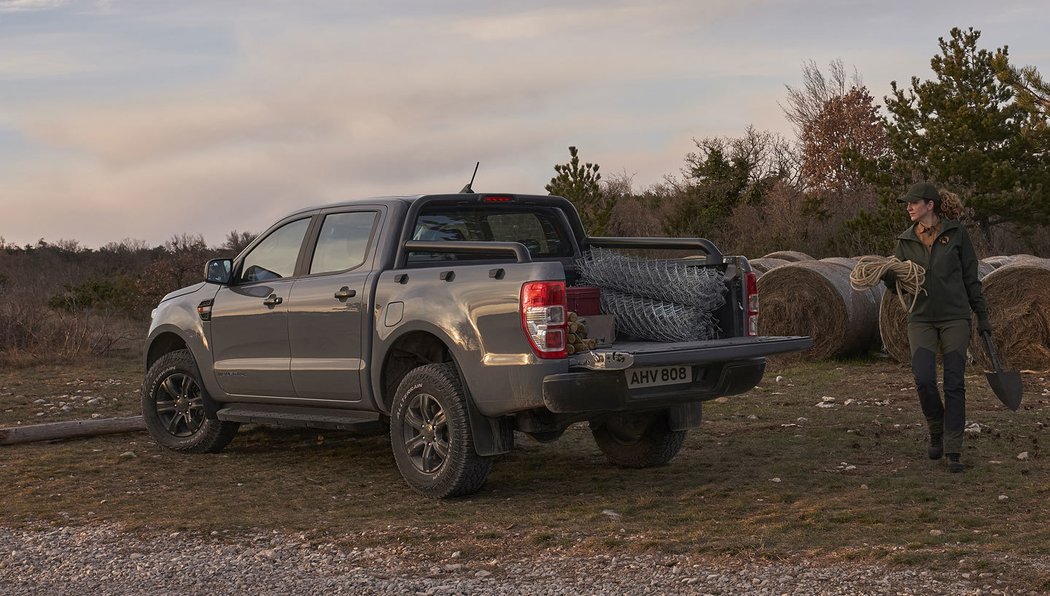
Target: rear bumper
{"x": 607, "y": 391}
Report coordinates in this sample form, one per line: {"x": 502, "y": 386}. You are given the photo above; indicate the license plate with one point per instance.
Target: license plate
{"x": 656, "y": 376}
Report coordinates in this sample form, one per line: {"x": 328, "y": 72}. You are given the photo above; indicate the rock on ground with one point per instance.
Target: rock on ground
{"x": 104, "y": 560}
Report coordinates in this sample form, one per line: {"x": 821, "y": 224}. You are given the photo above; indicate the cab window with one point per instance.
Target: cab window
{"x": 343, "y": 241}
{"x": 275, "y": 256}
{"x": 537, "y": 228}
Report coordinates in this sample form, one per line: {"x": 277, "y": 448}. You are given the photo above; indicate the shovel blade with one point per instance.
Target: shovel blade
{"x": 1007, "y": 387}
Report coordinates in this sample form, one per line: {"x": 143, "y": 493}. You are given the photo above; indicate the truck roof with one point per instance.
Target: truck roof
{"x": 409, "y": 199}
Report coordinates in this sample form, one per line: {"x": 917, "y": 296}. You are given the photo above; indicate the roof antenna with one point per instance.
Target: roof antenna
{"x": 467, "y": 188}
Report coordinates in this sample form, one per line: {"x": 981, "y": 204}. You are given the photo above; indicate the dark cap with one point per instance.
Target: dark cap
{"x": 921, "y": 191}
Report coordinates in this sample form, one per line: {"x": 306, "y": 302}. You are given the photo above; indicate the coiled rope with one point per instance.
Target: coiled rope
{"x": 870, "y": 270}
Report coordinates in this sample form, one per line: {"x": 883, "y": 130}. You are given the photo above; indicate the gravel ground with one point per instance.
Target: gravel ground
{"x": 105, "y": 560}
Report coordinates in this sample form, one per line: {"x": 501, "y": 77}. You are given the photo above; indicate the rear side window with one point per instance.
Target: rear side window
{"x": 539, "y": 229}
{"x": 343, "y": 242}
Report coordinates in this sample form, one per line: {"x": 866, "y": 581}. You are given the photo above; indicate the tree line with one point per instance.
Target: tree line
{"x": 63, "y": 301}
{"x": 977, "y": 125}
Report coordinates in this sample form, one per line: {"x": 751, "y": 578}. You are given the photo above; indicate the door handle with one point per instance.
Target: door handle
{"x": 345, "y": 292}
{"x": 273, "y": 300}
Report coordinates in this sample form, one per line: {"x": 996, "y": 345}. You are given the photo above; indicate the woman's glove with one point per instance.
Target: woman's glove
{"x": 889, "y": 277}
{"x": 984, "y": 327}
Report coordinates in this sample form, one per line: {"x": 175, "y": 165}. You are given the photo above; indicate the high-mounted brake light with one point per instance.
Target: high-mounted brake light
{"x": 543, "y": 308}
{"x": 751, "y": 302}
{"x": 497, "y": 199}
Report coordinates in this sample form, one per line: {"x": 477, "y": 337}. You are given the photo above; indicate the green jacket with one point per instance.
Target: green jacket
{"x": 952, "y": 287}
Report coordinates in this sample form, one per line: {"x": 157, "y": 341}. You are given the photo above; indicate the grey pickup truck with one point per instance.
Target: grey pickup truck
{"x": 445, "y": 318}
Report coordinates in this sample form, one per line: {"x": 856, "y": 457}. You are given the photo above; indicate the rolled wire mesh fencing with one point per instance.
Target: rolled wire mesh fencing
{"x": 656, "y": 299}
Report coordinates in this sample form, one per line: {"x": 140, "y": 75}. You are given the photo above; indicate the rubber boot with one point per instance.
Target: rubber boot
{"x": 954, "y": 465}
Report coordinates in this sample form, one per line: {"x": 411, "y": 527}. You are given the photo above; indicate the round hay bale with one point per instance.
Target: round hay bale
{"x": 997, "y": 261}
{"x": 851, "y": 263}
{"x": 848, "y": 262}
{"x": 789, "y": 255}
{"x": 1018, "y": 296}
{"x": 893, "y": 322}
{"x": 815, "y": 299}
{"x": 760, "y": 266}
{"x": 983, "y": 269}
{"x": 893, "y": 328}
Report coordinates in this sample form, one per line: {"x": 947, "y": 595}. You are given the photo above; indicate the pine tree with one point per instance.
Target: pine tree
{"x": 966, "y": 129}
{"x": 725, "y": 173}
{"x": 581, "y": 184}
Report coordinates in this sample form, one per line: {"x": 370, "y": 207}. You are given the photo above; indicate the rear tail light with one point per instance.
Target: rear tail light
{"x": 543, "y": 317}
{"x": 751, "y": 303}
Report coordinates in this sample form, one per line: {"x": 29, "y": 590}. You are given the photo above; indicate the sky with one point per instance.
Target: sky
{"x": 143, "y": 119}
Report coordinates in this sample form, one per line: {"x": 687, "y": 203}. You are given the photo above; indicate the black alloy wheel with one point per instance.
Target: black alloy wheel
{"x": 425, "y": 431}
{"x": 173, "y": 407}
{"x": 179, "y": 404}
{"x": 430, "y": 434}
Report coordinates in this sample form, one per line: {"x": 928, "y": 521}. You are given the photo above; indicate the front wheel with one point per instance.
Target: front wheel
{"x": 431, "y": 437}
{"x": 173, "y": 407}
{"x": 637, "y": 440}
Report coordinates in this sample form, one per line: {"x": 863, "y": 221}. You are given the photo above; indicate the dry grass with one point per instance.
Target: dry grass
{"x": 50, "y": 393}
{"x": 769, "y": 475}
{"x": 34, "y": 334}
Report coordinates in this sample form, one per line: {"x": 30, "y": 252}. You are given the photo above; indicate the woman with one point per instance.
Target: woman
{"x": 941, "y": 318}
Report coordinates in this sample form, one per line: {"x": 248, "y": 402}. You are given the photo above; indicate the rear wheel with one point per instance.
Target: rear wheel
{"x": 637, "y": 440}
{"x": 173, "y": 407}
{"x": 430, "y": 434}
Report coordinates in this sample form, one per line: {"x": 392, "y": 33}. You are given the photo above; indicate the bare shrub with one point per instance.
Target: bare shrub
{"x": 180, "y": 264}
{"x": 637, "y": 214}
{"x": 785, "y": 220}
{"x": 31, "y": 332}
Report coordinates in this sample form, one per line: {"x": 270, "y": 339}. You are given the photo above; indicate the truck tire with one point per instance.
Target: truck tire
{"x": 173, "y": 407}
{"x": 430, "y": 434}
{"x": 637, "y": 440}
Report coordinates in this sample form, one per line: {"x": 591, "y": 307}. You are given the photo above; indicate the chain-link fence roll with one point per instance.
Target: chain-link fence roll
{"x": 656, "y": 320}
{"x": 663, "y": 280}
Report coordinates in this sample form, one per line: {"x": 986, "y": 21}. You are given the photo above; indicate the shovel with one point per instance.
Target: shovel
{"x": 1005, "y": 384}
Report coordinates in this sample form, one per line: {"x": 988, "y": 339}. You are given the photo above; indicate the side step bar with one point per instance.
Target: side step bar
{"x": 291, "y": 416}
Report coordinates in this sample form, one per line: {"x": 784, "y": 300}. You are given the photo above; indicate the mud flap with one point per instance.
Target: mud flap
{"x": 685, "y": 416}
{"x": 211, "y": 407}
{"x": 492, "y": 436}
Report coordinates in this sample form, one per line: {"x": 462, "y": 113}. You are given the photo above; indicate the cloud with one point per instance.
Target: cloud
{"x": 148, "y": 119}
{"x": 309, "y": 112}
{"x": 587, "y": 18}
{"x": 308, "y": 118}
{"x": 31, "y": 5}
{"x": 39, "y": 64}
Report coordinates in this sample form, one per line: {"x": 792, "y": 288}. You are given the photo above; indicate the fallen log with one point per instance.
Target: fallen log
{"x": 69, "y": 429}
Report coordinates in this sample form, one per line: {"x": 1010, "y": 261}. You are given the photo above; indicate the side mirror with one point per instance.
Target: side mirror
{"x": 218, "y": 271}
